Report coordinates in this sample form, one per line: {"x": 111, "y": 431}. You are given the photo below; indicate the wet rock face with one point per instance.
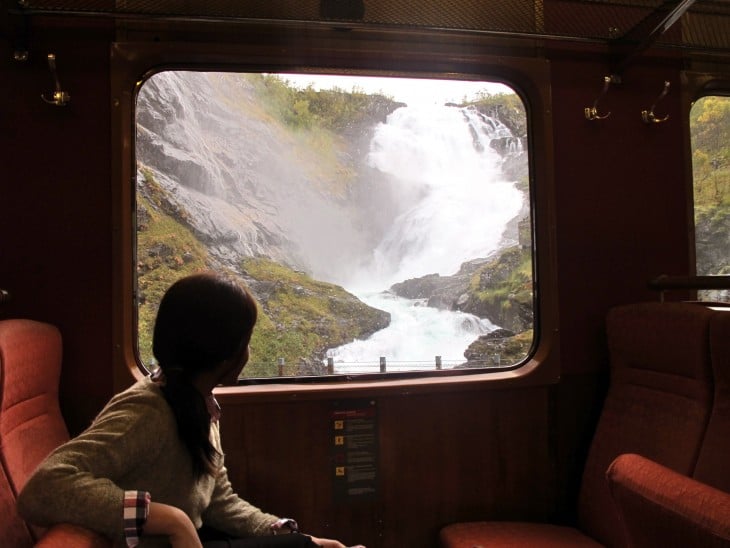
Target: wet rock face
{"x": 228, "y": 173}
{"x": 199, "y": 155}
{"x": 419, "y": 288}
{"x": 713, "y": 242}
{"x": 712, "y": 235}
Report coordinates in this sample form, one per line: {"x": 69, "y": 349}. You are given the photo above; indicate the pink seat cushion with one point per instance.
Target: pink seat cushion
{"x": 659, "y": 507}
{"x": 507, "y": 534}
{"x": 13, "y": 530}
{"x": 660, "y": 392}
{"x": 31, "y": 425}
{"x": 713, "y": 465}
{"x": 658, "y": 402}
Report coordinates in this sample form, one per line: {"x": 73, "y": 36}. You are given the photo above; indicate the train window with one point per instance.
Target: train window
{"x": 382, "y": 223}
{"x": 710, "y": 131}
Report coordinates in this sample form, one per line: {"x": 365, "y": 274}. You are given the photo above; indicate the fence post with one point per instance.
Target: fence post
{"x": 382, "y": 364}
{"x": 438, "y": 362}
{"x": 281, "y": 367}
{"x": 330, "y": 366}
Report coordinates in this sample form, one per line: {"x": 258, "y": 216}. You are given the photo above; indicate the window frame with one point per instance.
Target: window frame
{"x": 696, "y": 85}
{"x": 285, "y": 48}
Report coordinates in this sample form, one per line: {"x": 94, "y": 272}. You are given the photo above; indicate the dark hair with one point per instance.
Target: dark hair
{"x": 203, "y": 320}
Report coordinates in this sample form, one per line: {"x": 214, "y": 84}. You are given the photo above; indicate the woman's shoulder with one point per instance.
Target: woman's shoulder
{"x": 133, "y": 424}
{"x": 143, "y": 399}
{"x": 144, "y": 390}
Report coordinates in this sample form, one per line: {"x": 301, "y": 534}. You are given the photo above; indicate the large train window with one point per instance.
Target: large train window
{"x": 710, "y": 130}
{"x": 383, "y": 224}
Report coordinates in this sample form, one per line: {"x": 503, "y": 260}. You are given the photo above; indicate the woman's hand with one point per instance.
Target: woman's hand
{"x": 329, "y": 543}
{"x": 164, "y": 519}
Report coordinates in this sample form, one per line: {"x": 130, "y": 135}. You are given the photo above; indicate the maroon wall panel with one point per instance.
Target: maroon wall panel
{"x": 621, "y": 199}
{"x": 55, "y": 204}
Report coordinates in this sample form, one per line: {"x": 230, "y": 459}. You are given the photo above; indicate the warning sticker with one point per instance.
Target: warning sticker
{"x": 355, "y": 449}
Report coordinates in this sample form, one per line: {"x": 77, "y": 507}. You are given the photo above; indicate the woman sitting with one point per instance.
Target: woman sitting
{"x": 149, "y": 470}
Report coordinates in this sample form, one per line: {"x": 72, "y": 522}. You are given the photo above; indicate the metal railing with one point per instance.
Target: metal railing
{"x": 381, "y": 365}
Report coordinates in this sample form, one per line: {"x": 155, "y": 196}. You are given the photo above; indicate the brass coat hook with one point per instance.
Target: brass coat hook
{"x": 648, "y": 115}
{"x": 592, "y": 112}
{"x": 60, "y": 98}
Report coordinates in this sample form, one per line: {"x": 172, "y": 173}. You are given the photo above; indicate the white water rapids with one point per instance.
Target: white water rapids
{"x": 457, "y": 209}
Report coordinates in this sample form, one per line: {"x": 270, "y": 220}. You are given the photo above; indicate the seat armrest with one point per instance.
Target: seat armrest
{"x": 65, "y": 535}
{"x": 660, "y": 507}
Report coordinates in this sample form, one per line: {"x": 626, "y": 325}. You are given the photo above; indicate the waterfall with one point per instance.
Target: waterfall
{"x": 456, "y": 208}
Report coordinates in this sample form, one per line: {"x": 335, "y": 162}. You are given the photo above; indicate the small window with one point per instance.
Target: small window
{"x": 710, "y": 130}
{"x": 383, "y": 224}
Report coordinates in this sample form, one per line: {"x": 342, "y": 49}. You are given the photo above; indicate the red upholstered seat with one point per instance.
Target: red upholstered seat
{"x": 31, "y": 424}
{"x": 660, "y": 392}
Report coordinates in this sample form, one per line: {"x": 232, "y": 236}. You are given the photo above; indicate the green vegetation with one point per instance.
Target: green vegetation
{"x": 299, "y": 317}
{"x": 506, "y": 280}
{"x": 508, "y": 108}
{"x": 514, "y": 349}
{"x": 710, "y": 127}
{"x": 502, "y": 290}
{"x": 167, "y": 251}
{"x": 336, "y": 110}
{"x": 315, "y": 122}
{"x": 302, "y": 317}
{"x": 495, "y": 349}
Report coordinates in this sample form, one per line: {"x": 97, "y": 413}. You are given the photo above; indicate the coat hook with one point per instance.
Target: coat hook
{"x": 648, "y": 115}
{"x": 4, "y": 296}
{"x": 592, "y": 112}
{"x": 60, "y": 98}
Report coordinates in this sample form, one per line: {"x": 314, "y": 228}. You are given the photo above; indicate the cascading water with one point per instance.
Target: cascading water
{"x": 456, "y": 210}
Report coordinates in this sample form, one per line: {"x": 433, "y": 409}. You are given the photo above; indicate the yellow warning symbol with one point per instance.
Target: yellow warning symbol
{"x": 340, "y": 471}
{"x": 339, "y": 425}
{"x": 339, "y": 440}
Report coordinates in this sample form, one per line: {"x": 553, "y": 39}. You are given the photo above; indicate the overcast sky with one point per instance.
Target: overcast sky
{"x": 407, "y": 90}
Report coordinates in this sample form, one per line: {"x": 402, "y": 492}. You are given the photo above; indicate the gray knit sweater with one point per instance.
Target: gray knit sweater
{"x": 133, "y": 445}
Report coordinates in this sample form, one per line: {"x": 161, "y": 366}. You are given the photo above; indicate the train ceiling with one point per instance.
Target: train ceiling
{"x": 696, "y": 26}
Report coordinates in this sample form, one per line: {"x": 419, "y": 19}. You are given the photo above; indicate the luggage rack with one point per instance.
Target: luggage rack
{"x": 664, "y": 283}
{"x": 702, "y": 25}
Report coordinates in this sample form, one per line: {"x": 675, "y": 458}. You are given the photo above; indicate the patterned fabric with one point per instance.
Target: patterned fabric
{"x": 136, "y": 510}
{"x": 214, "y": 408}
{"x": 284, "y": 525}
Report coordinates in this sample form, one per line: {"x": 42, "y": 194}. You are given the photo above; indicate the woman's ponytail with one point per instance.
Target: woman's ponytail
{"x": 203, "y": 320}
{"x": 193, "y": 421}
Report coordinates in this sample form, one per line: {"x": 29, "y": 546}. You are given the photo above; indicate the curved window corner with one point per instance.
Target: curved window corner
{"x": 384, "y": 225}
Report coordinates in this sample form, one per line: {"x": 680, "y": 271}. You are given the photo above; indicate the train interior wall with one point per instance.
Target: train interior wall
{"x": 478, "y": 452}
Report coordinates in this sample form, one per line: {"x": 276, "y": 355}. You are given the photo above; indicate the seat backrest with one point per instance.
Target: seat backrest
{"x": 31, "y": 424}
{"x": 658, "y": 402}
{"x": 712, "y": 464}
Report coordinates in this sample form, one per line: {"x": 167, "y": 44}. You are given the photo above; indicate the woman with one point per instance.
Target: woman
{"x": 149, "y": 470}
